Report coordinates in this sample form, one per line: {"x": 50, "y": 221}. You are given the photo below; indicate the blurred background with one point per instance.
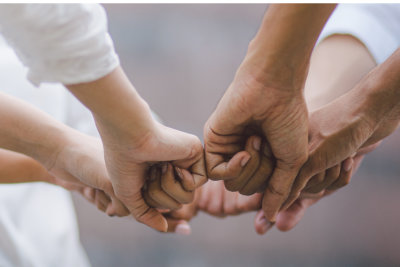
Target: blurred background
{"x": 181, "y": 58}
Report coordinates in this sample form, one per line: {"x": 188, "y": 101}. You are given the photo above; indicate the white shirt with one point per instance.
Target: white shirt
{"x": 66, "y": 43}
{"x": 377, "y": 26}
{"x": 38, "y": 226}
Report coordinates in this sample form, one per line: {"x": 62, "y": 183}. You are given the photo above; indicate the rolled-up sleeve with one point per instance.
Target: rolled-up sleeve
{"x": 66, "y": 43}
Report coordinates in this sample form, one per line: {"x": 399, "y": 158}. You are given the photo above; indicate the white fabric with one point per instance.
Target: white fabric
{"x": 38, "y": 226}
{"x": 66, "y": 43}
{"x": 376, "y": 25}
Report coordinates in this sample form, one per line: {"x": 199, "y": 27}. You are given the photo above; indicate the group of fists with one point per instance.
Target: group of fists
{"x": 260, "y": 140}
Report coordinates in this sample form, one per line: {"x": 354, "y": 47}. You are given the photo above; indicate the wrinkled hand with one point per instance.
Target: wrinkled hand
{"x": 337, "y": 132}
{"x": 249, "y": 108}
{"x": 169, "y": 187}
{"x": 287, "y": 219}
{"x": 128, "y": 162}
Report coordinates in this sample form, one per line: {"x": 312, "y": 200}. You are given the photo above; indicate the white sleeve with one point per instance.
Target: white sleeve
{"x": 66, "y": 43}
{"x": 377, "y": 26}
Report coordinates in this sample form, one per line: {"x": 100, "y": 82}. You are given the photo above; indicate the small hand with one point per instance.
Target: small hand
{"x": 80, "y": 166}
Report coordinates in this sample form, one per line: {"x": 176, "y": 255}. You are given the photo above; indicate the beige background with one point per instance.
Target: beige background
{"x": 181, "y": 58}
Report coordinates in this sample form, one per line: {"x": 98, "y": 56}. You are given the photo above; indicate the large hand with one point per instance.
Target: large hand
{"x": 287, "y": 219}
{"x": 128, "y": 162}
{"x": 251, "y": 108}
{"x": 338, "y": 131}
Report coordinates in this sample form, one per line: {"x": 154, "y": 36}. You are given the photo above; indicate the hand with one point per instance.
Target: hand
{"x": 95, "y": 196}
{"x": 213, "y": 199}
{"x": 249, "y": 108}
{"x": 133, "y": 142}
{"x": 337, "y": 132}
{"x": 80, "y": 163}
{"x": 287, "y": 219}
{"x": 169, "y": 187}
{"x": 129, "y": 160}
{"x": 19, "y": 168}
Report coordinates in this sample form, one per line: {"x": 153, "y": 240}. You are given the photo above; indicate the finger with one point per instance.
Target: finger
{"x": 230, "y": 202}
{"x": 199, "y": 172}
{"x": 253, "y": 146}
{"x": 278, "y": 189}
{"x": 331, "y": 175}
{"x": 157, "y": 195}
{"x": 216, "y": 200}
{"x": 132, "y": 198}
{"x": 305, "y": 174}
{"x": 259, "y": 181}
{"x": 186, "y": 148}
{"x": 186, "y": 179}
{"x": 204, "y": 196}
{"x": 117, "y": 208}
{"x": 287, "y": 219}
{"x": 180, "y": 227}
{"x": 345, "y": 175}
{"x": 218, "y": 169}
{"x": 261, "y": 224}
{"x": 316, "y": 179}
{"x": 173, "y": 188}
{"x": 187, "y": 212}
{"x": 88, "y": 193}
{"x": 101, "y": 200}
{"x": 249, "y": 203}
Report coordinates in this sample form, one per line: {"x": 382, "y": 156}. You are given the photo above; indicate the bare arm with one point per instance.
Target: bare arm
{"x": 266, "y": 99}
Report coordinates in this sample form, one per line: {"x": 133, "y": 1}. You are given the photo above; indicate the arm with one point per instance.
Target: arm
{"x": 355, "y": 121}
{"x": 134, "y": 141}
{"x": 64, "y": 153}
{"x": 266, "y": 99}
{"x": 88, "y": 65}
{"x": 18, "y": 168}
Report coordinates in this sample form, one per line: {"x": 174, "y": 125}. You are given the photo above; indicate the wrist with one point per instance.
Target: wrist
{"x": 382, "y": 95}
{"x": 116, "y": 106}
{"x": 280, "y": 51}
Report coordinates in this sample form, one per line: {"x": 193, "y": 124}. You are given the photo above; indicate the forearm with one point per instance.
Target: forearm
{"x": 115, "y": 103}
{"x": 18, "y": 168}
{"x": 383, "y": 88}
{"x": 30, "y": 131}
{"x": 382, "y": 97}
{"x": 282, "y": 47}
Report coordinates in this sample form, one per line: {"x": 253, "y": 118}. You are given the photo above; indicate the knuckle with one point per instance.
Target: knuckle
{"x": 276, "y": 190}
{"x": 231, "y": 186}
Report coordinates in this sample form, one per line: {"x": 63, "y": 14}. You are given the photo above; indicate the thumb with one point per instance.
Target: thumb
{"x": 178, "y": 226}
{"x": 148, "y": 216}
{"x": 181, "y": 147}
{"x": 288, "y": 219}
{"x": 140, "y": 210}
{"x": 261, "y": 224}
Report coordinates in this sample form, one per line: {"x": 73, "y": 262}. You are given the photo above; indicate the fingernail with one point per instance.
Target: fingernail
{"x": 266, "y": 225}
{"x": 183, "y": 229}
{"x": 348, "y": 164}
{"x": 257, "y": 143}
{"x": 245, "y": 160}
{"x": 179, "y": 172}
{"x": 273, "y": 218}
{"x": 164, "y": 168}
